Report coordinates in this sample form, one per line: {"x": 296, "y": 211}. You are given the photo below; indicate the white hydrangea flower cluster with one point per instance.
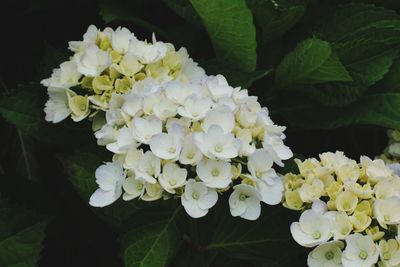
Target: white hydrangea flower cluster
{"x": 174, "y": 131}
{"x": 108, "y": 62}
{"x": 351, "y": 211}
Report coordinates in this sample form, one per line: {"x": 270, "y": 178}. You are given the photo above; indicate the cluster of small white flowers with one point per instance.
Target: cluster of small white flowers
{"x": 174, "y": 131}
{"x": 108, "y": 62}
{"x": 356, "y": 205}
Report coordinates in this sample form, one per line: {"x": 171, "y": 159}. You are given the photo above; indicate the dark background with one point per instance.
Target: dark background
{"x": 76, "y": 237}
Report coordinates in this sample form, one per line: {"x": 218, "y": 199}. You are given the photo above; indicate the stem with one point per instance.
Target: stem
{"x": 194, "y": 234}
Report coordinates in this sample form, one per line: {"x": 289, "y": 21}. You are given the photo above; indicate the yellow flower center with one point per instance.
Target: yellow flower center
{"x": 195, "y": 195}
{"x": 242, "y": 197}
{"x": 329, "y": 255}
{"x": 215, "y": 172}
{"x": 316, "y": 235}
{"x": 218, "y": 148}
{"x": 172, "y": 182}
{"x": 363, "y": 255}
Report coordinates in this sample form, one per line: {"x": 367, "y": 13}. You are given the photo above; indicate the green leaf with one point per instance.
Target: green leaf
{"x": 234, "y": 77}
{"x": 229, "y": 24}
{"x": 275, "y": 21}
{"x": 376, "y": 109}
{"x": 153, "y": 238}
{"x": 184, "y": 9}
{"x": 392, "y": 79}
{"x": 24, "y": 108}
{"x": 263, "y": 239}
{"x": 21, "y": 236}
{"x": 366, "y": 38}
{"x": 81, "y": 166}
{"x": 130, "y": 11}
{"x": 312, "y": 61}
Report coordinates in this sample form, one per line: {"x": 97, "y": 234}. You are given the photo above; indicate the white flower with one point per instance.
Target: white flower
{"x": 120, "y": 39}
{"x": 165, "y": 108}
{"x": 172, "y": 177}
{"x": 198, "y": 198}
{"x": 326, "y": 255}
{"x": 267, "y": 181}
{"x": 341, "y": 225}
{"x": 386, "y": 188}
{"x": 93, "y": 61}
{"x": 395, "y": 166}
{"x": 220, "y": 115}
{"x": 125, "y": 141}
{"x": 129, "y": 65}
{"x": 57, "y": 108}
{"x": 389, "y": 252}
{"x": 215, "y": 144}
{"x": 387, "y": 211}
{"x": 66, "y": 76}
{"x": 245, "y": 202}
{"x": 218, "y": 87}
{"x": 153, "y": 192}
{"x": 275, "y": 146}
{"x": 195, "y": 107}
{"x": 360, "y": 251}
{"x": 146, "y": 52}
{"x": 309, "y": 192}
{"x": 168, "y": 145}
{"x": 132, "y": 158}
{"x": 190, "y": 154}
{"x": 259, "y": 165}
{"x": 115, "y": 115}
{"x": 107, "y": 134}
{"x": 178, "y": 91}
{"x": 133, "y": 188}
{"x": 145, "y": 128}
{"x": 247, "y": 113}
{"x": 394, "y": 149}
{"x": 133, "y": 104}
{"x": 148, "y": 167}
{"x": 319, "y": 206}
{"x": 109, "y": 177}
{"x": 247, "y": 146}
{"x": 88, "y": 38}
{"x": 377, "y": 170}
{"x": 215, "y": 174}
{"x": 311, "y": 230}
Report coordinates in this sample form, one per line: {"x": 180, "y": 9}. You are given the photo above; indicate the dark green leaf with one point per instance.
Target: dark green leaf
{"x": 275, "y": 21}
{"x": 112, "y": 10}
{"x": 234, "y": 77}
{"x": 392, "y": 79}
{"x": 366, "y": 38}
{"x": 24, "y": 108}
{"x": 81, "y": 166}
{"x": 153, "y": 238}
{"x": 312, "y": 61}
{"x": 377, "y": 109}
{"x": 229, "y": 24}
{"x": 21, "y": 236}
{"x": 264, "y": 239}
{"x": 184, "y": 9}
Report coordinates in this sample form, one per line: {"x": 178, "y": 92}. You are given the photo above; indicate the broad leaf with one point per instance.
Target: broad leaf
{"x": 275, "y": 21}
{"x": 81, "y": 166}
{"x": 130, "y": 11}
{"x": 234, "y": 77}
{"x": 264, "y": 239}
{"x": 367, "y": 39}
{"x": 392, "y": 79}
{"x": 153, "y": 238}
{"x": 184, "y": 9}
{"x": 24, "y": 108}
{"x": 312, "y": 61}
{"x": 21, "y": 236}
{"x": 229, "y": 24}
{"x": 377, "y": 109}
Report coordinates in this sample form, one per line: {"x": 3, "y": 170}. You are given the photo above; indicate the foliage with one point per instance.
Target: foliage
{"x": 318, "y": 65}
